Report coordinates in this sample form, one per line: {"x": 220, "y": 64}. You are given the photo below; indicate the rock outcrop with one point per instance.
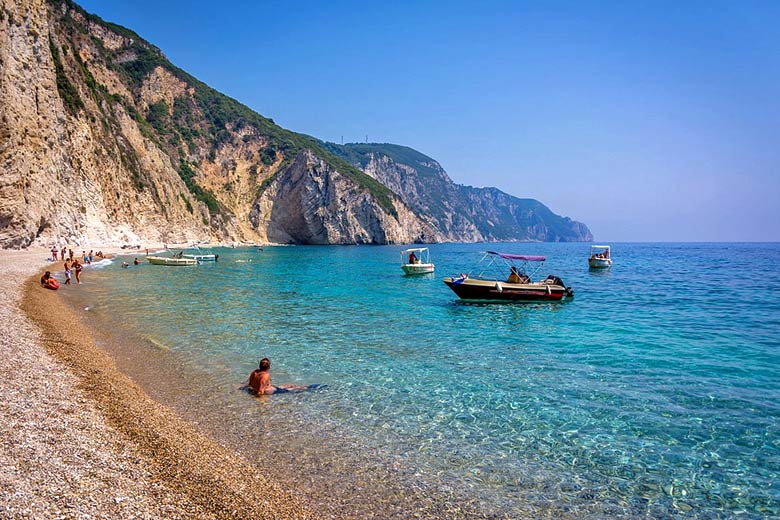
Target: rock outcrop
{"x": 103, "y": 139}
{"x": 459, "y": 213}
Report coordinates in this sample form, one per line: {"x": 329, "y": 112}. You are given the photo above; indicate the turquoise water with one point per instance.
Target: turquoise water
{"x": 655, "y": 392}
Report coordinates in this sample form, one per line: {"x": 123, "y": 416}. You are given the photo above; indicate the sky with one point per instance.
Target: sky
{"x": 648, "y": 121}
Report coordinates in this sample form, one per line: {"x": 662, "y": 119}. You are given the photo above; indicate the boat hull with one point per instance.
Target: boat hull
{"x": 493, "y": 290}
{"x": 163, "y": 260}
{"x": 599, "y": 263}
{"x": 411, "y": 269}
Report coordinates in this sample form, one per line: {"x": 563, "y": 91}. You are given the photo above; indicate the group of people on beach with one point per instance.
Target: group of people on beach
{"x": 72, "y": 264}
{"x": 87, "y": 258}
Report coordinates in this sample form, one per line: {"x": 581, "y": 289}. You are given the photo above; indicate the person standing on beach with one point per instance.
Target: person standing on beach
{"x": 77, "y": 267}
{"x": 70, "y": 254}
{"x": 67, "y": 272}
{"x": 62, "y": 253}
{"x": 54, "y": 253}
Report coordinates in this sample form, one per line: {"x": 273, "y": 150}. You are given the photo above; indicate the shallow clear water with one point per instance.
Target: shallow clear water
{"x": 655, "y": 392}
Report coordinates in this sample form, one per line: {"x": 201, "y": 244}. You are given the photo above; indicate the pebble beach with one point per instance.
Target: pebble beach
{"x": 79, "y": 439}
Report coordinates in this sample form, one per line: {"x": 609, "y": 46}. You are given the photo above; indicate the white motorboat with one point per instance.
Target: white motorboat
{"x": 416, "y": 260}
{"x": 201, "y": 255}
{"x": 600, "y": 257}
{"x": 171, "y": 260}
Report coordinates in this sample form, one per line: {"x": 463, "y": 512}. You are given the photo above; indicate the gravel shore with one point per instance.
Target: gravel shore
{"x": 79, "y": 439}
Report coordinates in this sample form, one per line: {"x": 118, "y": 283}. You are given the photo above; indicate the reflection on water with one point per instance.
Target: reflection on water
{"x": 651, "y": 393}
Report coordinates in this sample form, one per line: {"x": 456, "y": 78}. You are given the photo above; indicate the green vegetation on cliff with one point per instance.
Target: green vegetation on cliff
{"x": 70, "y": 96}
{"x": 209, "y": 118}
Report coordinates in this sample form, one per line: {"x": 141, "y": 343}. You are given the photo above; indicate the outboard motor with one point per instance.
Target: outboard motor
{"x": 554, "y": 280}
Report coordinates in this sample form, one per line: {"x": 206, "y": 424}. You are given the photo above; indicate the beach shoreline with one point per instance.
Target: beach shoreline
{"x": 81, "y": 439}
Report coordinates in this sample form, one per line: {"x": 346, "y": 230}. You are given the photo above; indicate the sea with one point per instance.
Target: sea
{"x": 654, "y": 392}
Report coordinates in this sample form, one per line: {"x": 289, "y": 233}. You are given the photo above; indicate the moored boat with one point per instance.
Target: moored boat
{"x": 416, "y": 260}
{"x": 169, "y": 260}
{"x": 492, "y": 283}
{"x": 201, "y": 255}
{"x": 600, "y": 257}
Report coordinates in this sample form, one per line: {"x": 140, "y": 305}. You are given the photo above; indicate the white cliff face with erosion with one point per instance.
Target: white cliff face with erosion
{"x": 63, "y": 177}
{"x": 102, "y": 140}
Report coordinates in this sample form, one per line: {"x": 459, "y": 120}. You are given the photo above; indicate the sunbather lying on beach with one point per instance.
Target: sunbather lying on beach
{"x": 260, "y": 381}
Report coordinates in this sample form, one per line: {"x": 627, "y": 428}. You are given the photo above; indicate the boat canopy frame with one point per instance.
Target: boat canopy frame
{"x": 423, "y": 254}
{"x": 504, "y": 262}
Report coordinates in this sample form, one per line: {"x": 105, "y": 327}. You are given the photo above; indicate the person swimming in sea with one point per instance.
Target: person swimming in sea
{"x": 259, "y": 382}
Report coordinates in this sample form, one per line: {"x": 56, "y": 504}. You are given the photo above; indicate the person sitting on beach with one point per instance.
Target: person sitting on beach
{"x": 259, "y": 382}
{"x": 45, "y": 278}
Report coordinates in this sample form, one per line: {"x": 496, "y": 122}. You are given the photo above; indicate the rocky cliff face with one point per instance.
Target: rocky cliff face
{"x": 459, "y": 212}
{"x": 102, "y": 139}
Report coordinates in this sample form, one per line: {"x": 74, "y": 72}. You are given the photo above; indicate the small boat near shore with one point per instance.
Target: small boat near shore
{"x": 416, "y": 260}
{"x": 492, "y": 284}
{"x": 171, "y": 260}
{"x": 600, "y": 257}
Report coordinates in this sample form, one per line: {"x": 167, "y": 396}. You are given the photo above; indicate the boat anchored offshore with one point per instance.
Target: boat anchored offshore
{"x": 416, "y": 260}
{"x": 201, "y": 255}
{"x": 600, "y": 257}
{"x": 493, "y": 284}
{"x": 177, "y": 259}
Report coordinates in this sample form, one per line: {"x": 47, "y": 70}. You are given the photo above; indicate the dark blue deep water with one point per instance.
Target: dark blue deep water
{"x": 655, "y": 392}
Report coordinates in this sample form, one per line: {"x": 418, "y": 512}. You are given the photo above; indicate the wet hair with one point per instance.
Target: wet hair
{"x": 265, "y": 364}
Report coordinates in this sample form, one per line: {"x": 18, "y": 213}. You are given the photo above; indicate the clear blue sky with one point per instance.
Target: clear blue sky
{"x": 648, "y": 121}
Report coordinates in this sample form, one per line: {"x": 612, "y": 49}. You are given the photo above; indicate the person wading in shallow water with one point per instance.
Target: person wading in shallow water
{"x": 77, "y": 267}
{"x": 260, "y": 381}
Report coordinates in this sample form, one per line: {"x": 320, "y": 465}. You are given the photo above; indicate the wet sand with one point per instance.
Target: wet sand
{"x": 80, "y": 439}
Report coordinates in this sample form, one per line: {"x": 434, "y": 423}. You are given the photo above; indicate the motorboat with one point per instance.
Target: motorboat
{"x": 171, "y": 260}
{"x": 505, "y": 277}
{"x": 416, "y": 260}
{"x": 201, "y": 255}
{"x": 600, "y": 257}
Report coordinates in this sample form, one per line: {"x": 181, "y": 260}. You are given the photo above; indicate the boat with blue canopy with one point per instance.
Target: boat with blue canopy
{"x": 507, "y": 277}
